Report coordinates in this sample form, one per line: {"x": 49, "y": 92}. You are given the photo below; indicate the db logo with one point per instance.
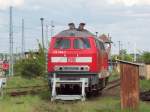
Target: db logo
{"x": 71, "y": 59}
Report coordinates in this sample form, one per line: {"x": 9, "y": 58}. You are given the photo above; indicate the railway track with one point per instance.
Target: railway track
{"x": 35, "y": 89}
{"x": 145, "y": 96}
{"x": 113, "y": 84}
{"x": 25, "y": 90}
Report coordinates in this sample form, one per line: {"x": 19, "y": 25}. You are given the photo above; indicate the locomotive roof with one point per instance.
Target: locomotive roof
{"x": 75, "y": 32}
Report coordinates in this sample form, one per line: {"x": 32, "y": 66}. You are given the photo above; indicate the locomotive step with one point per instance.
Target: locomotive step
{"x": 56, "y": 96}
{"x": 68, "y": 97}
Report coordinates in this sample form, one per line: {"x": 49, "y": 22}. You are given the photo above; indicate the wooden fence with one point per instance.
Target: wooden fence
{"x": 129, "y": 91}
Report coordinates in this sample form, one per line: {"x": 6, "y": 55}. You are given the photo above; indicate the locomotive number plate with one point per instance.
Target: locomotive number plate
{"x": 71, "y": 59}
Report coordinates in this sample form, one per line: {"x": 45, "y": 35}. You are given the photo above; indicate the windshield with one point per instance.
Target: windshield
{"x": 81, "y": 43}
{"x": 62, "y": 43}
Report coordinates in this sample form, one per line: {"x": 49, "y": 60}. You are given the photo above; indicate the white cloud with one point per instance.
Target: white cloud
{"x": 105, "y": 16}
{"x": 6, "y": 3}
{"x": 130, "y": 2}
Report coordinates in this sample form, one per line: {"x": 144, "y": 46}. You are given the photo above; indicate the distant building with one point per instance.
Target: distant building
{"x": 29, "y": 54}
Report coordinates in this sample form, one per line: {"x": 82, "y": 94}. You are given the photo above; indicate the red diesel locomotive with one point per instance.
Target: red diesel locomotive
{"x": 75, "y": 55}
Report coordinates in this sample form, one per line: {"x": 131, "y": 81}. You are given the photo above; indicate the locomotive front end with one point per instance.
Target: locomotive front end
{"x": 73, "y": 63}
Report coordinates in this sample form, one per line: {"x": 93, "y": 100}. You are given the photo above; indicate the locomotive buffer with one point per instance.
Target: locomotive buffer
{"x": 68, "y": 97}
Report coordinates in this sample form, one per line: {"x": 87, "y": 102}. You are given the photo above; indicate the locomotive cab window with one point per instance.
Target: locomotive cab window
{"x": 100, "y": 45}
{"x": 81, "y": 43}
{"x": 62, "y": 43}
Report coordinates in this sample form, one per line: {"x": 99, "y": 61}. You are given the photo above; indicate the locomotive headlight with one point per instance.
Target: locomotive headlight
{"x": 56, "y": 68}
{"x": 86, "y": 68}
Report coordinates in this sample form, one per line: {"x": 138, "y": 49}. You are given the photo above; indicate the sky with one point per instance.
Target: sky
{"x": 125, "y": 20}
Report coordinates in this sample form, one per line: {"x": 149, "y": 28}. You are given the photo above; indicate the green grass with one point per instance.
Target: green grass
{"x": 114, "y": 75}
{"x": 41, "y": 101}
{"x": 38, "y": 103}
{"x": 19, "y": 81}
{"x": 41, "y": 104}
{"x": 18, "y": 104}
{"x": 145, "y": 85}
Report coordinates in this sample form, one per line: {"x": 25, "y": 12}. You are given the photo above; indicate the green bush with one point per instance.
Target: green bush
{"x": 123, "y": 56}
{"x": 29, "y": 68}
{"x": 146, "y": 57}
{"x": 32, "y": 66}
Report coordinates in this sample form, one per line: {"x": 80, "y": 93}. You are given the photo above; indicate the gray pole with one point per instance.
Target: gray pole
{"x": 46, "y": 39}
{"x": 10, "y": 44}
{"x": 134, "y": 52}
{"x": 23, "y": 41}
{"x": 42, "y": 19}
{"x": 47, "y": 45}
{"x": 52, "y": 28}
{"x": 10, "y": 34}
{"x": 12, "y": 51}
{"x": 119, "y": 46}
